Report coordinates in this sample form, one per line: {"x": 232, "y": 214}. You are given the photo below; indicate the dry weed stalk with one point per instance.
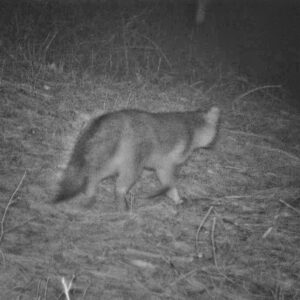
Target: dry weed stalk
{"x": 291, "y": 156}
{"x": 10, "y": 202}
{"x": 213, "y": 243}
{"x": 67, "y": 286}
{"x": 46, "y": 288}
{"x": 251, "y": 91}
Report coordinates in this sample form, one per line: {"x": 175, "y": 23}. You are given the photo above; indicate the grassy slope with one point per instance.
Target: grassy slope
{"x": 61, "y": 64}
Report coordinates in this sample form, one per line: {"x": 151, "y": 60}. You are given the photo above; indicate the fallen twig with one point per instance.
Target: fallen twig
{"x": 240, "y": 132}
{"x": 3, "y": 257}
{"x": 290, "y": 206}
{"x": 267, "y": 232}
{"x": 200, "y": 227}
{"x": 213, "y": 242}
{"x": 19, "y": 225}
{"x": 184, "y": 276}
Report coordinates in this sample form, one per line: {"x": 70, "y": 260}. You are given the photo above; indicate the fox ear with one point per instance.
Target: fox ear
{"x": 212, "y": 116}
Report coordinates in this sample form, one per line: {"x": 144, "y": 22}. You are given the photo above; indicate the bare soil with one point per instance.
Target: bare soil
{"x": 237, "y": 235}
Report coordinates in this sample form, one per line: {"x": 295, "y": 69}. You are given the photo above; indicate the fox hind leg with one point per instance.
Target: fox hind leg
{"x": 95, "y": 176}
{"x": 128, "y": 175}
{"x": 92, "y": 186}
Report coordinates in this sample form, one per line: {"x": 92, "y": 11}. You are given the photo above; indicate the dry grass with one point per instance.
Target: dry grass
{"x": 237, "y": 234}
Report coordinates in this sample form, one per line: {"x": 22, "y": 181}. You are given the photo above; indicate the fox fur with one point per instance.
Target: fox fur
{"x": 125, "y": 142}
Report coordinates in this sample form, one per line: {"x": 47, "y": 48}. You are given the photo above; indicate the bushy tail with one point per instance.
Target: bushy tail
{"x": 213, "y": 115}
{"x": 74, "y": 181}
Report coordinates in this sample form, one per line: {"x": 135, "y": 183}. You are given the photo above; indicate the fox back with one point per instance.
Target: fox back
{"x": 127, "y": 141}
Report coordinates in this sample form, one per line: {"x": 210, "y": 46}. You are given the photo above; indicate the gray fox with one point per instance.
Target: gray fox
{"x": 125, "y": 142}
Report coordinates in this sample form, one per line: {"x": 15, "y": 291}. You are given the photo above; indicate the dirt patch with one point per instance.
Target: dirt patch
{"x": 237, "y": 234}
